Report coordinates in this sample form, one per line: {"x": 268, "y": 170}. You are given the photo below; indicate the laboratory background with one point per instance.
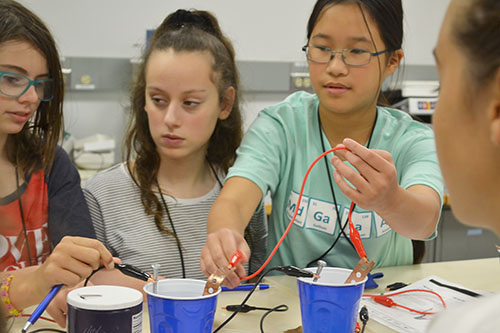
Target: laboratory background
{"x": 101, "y": 43}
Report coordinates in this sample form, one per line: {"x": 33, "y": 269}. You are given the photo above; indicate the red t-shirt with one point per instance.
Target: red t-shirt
{"x": 53, "y": 207}
{"x": 13, "y": 244}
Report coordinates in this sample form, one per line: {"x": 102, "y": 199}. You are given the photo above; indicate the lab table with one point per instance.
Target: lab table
{"x": 478, "y": 274}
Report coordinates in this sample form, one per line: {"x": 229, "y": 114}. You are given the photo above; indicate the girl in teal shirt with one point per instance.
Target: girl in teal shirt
{"x": 390, "y": 171}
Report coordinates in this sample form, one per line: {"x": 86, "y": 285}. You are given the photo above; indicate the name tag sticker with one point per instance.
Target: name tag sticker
{"x": 381, "y": 226}
{"x": 292, "y": 205}
{"x": 321, "y": 216}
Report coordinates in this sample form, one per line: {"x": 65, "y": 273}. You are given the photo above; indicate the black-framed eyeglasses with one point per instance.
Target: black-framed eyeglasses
{"x": 15, "y": 85}
{"x": 352, "y": 57}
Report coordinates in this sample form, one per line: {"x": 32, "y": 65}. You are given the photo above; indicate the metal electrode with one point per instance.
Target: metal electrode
{"x": 156, "y": 269}
{"x": 321, "y": 264}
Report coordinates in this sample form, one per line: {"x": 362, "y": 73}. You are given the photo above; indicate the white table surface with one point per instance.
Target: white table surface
{"x": 480, "y": 274}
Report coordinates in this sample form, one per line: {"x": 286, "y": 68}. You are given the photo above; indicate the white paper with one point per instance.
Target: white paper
{"x": 402, "y": 320}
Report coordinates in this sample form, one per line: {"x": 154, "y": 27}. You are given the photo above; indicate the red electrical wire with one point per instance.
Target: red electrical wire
{"x": 356, "y": 239}
{"x": 41, "y": 317}
{"x": 353, "y": 233}
{"x": 387, "y": 301}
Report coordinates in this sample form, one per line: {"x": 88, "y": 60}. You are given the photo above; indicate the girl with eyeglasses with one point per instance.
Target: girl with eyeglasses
{"x": 45, "y": 227}
{"x": 390, "y": 171}
{"x": 467, "y": 126}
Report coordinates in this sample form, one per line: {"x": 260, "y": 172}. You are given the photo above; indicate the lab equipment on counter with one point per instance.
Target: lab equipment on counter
{"x": 95, "y": 152}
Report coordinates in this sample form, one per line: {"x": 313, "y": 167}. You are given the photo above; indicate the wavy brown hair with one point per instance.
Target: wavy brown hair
{"x": 35, "y": 145}
{"x": 181, "y": 31}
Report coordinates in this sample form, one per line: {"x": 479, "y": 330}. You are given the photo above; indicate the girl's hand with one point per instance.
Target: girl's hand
{"x": 58, "y": 307}
{"x": 218, "y": 250}
{"x": 71, "y": 261}
{"x": 376, "y": 184}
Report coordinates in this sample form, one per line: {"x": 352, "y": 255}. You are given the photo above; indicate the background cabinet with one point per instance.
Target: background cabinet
{"x": 456, "y": 241}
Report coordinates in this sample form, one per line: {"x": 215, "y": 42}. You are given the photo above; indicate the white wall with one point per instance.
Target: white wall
{"x": 261, "y": 30}
{"x": 422, "y": 22}
{"x": 268, "y": 30}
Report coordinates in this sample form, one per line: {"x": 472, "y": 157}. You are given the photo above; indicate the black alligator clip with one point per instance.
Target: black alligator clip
{"x": 134, "y": 272}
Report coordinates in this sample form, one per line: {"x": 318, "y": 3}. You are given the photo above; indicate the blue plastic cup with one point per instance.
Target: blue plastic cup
{"x": 329, "y": 305}
{"x": 178, "y": 306}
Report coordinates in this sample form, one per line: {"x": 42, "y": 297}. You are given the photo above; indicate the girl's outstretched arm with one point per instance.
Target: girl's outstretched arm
{"x": 226, "y": 224}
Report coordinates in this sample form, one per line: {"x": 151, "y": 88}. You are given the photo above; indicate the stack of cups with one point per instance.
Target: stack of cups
{"x": 329, "y": 304}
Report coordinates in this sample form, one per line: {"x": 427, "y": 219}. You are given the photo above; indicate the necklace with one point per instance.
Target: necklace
{"x": 165, "y": 206}
{"x": 339, "y": 223}
{"x": 23, "y": 220}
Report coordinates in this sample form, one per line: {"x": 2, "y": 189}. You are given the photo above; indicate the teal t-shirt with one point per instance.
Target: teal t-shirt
{"x": 275, "y": 154}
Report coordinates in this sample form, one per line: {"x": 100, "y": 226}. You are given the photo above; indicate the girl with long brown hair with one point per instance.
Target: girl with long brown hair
{"x": 41, "y": 202}
{"x": 184, "y": 130}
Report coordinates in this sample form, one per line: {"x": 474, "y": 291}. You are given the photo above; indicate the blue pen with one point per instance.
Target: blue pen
{"x": 41, "y": 308}
{"x": 246, "y": 287}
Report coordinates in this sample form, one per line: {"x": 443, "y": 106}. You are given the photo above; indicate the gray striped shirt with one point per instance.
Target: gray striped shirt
{"x": 122, "y": 224}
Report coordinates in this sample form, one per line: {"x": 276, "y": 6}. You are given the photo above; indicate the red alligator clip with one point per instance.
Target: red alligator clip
{"x": 215, "y": 280}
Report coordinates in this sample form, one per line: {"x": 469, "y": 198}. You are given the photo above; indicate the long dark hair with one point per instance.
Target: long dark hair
{"x": 35, "y": 145}
{"x": 387, "y": 14}
{"x": 191, "y": 31}
{"x": 476, "y": 29}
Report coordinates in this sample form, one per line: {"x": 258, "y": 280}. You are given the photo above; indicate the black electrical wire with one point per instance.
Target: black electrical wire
{"x": 179, "y": 247}
{"x": 28, "y": 250}
{"x": 330, "y": 248}
{"x": 342, "y": 227}
{"x": 247, "y": 308}
{"x": 279, "y": 308}
{"x": 126, "y": 269}
{"x": 91, "y": 274}
{"x": 246, "y": 298}
{"x": 288, "y": 270}
{"x": 325, "y": 159}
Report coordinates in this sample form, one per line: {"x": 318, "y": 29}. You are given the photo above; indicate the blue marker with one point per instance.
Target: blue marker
{"x": 41, "y": 308}
{"x": 246, "y": 287}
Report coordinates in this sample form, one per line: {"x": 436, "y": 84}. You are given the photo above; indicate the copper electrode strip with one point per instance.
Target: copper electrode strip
{"x": 215, "y": 280}
{"x": 361, "y": 270}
